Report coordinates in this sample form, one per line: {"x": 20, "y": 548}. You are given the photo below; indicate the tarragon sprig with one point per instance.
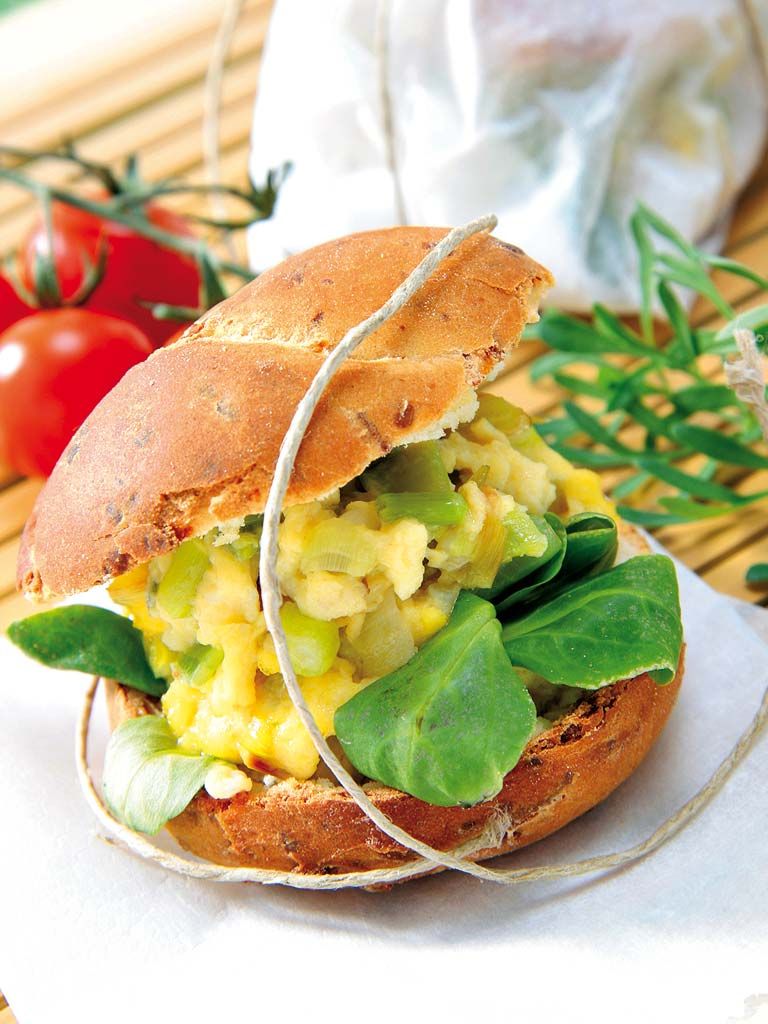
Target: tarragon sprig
{"x": 644, "y": 397}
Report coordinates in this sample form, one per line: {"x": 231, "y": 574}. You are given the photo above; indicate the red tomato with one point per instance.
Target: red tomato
{"x": 55, "y": 367}
{"x": 12, "y": 308}
{"x": 175, "y": 336}
{"x": 137, "y": 269}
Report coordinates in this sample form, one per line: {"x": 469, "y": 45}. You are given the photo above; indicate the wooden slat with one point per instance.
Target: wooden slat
{"x": 15, "y": 505}
{"x": 728, "y": 573}
{"x": 138, "y": 130}
{"x": 168, "y": 139}
{"x": 9, "y": 550}
{"x": 130, "y": 78}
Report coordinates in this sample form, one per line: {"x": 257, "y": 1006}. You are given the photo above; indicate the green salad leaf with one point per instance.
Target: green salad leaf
{"x": 593, "y": 541}
{"x": 585, "y": 544}
{"x": 83, "y": 638}
{"x": 147, "y": 779}
{"x": 612, "y": 626}
{"x": 448, "y": 725}
{"x": 520, "y": 576}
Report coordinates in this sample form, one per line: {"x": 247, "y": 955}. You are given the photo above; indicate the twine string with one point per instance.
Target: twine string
{"x": 427, "y": 858}
{"x": 270, "y": 587}
{"x": 744, "y": 373}
{"x": 133, "y": 842}
{"x": 212, "y": 97}
{"x": 382, "y": 43}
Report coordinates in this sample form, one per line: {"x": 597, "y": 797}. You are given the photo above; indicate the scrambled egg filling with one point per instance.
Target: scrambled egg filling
{"x": 365, "y": 584}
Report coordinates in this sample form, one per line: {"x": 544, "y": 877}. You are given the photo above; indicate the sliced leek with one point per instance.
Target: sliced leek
{"x": 487, "y": 555}
{"x": 312, "y": 644}
{"x": 415, "y": 467}
{"x": 177, "y": 589}
{"x": 523, "y": 536}
{"x": 199, "y": 663}
{"x": 335, "y": 545}
{"x": 434, "y": 510}
{"x": 385, "y": 641}
{"x": 504, "y": 416}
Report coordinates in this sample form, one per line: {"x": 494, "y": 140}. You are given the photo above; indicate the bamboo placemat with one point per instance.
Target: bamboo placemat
{"x": 150, "y": 101}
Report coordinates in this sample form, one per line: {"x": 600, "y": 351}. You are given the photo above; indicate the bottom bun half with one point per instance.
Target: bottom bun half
{"x": 316, "y": 828}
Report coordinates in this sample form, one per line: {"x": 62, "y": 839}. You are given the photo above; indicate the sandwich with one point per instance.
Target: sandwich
{"x": 474, "y": 631}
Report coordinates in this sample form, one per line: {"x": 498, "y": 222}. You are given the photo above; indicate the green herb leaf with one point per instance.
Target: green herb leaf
{"x": 566, "y": 334}
{"x": 738, "y": 269}
{"x": 695, "y": 485}
{"x": 693, "y": 276}
{"x": 448, "y": 725}
{"x": 637, "y": 225}
{"x": 547, "y": 364}
{"x": 718, "y": 446}
{"x": 591, "y": 426}
{"x": 610, "y": 326}
{"x": 703, "y": 398}
{"x": 589, "y": 457}
{"x": 608, "y": 627}
{"x": 752, "y": 320}
{"x": 650, "y": 519}
{"x": 86, "y": 639}
{"x": 757, "y": 573}
{"x": 693, "y": 510}
{"x": 147, "y": 779}
{"x": 684, "y": 348}
{"x": 579, "y": 385}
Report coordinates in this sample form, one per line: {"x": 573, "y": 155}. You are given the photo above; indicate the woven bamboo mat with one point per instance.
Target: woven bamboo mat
{"x": 150, "y": 100}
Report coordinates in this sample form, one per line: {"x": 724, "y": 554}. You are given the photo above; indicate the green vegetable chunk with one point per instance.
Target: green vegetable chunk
{"x": 608, "y": 627}
{"x": 200, "y": 662}
{"x": 449, "y": 725}
{"x": 503, "y": 415}
{"x": 82, "y": 638}
{"x": 246, "y": 545}
{"x": 147, "y": 779}
{"x": 414, "y": 467}
{"x": 434, "y": 510}
{"x": 312, "y": 644}
{"x": 177, "y": 589}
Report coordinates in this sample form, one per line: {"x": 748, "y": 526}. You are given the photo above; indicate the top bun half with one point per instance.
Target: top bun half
{"x": 189, "y": 439}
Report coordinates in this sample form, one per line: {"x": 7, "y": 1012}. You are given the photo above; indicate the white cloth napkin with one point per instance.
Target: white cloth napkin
{"x": 557, "y": 117}
{"x": 90, "y": 933}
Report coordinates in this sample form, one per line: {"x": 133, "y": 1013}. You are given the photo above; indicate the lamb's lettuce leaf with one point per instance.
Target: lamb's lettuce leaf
{"x": 448, "y": 725}
{"x": 612, "y": 626}
{"x": 522, "y": 576}
{"x": 84, "y": 638}
{"x": 148, "y": 779}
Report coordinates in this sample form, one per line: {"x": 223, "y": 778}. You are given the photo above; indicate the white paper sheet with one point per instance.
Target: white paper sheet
{"x": 90, "y": 933}
{"x": 557, "y": 117}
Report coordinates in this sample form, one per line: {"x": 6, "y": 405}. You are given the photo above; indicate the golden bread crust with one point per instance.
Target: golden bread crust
{"x": 190, "y": 437}
{"x": 310, "y": 827}
{"x": 313, "y": 827}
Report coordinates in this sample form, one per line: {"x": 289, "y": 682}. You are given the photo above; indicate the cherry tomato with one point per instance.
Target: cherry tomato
{"x": 55, "y": 366}
{"x": 175, "y": 336}
{"x": 12, "y": 308}
{"x": 137, "y": 269}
